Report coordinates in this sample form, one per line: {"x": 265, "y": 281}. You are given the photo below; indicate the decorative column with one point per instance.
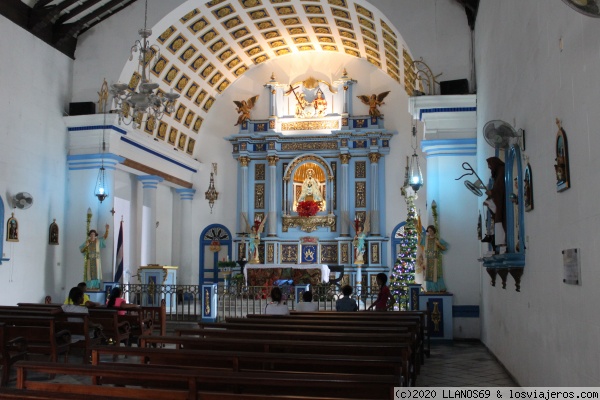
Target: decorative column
{"x": 374, "y": 158}
{"x": 149, "y": 184}
{"x": 243, "y": 190}
{"x": 272, "y": 213}
{"x": 344, "y": 195}
{"x": 186, "y": 243}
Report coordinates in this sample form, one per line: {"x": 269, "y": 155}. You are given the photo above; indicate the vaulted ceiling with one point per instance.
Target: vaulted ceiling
{"x": 206, "y": 45}
{"x": 60, "y": 22}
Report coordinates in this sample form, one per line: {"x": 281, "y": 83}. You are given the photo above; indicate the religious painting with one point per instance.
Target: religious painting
{"x": 12, "y": 229}
{"x": 309, "y": 184}
{"x": 53, "y": 233}
{"x": 528, "y": 189}
{"x": 561, "y": 167}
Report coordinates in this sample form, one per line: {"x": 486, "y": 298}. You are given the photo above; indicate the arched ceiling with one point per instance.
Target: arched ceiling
{"x": 206, "y": 46}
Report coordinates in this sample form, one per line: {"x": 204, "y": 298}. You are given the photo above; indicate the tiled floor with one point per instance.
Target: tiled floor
{"x": 462, "y": 364}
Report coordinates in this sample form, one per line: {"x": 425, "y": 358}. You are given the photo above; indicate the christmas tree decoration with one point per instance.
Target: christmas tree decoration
{"x": 404, "y": 267}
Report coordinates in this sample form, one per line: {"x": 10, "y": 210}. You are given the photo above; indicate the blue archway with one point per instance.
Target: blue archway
{"x": 207, "y": 264}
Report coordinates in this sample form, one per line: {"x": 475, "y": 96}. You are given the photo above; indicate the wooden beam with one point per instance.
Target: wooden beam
{"x": 151, "y": 171}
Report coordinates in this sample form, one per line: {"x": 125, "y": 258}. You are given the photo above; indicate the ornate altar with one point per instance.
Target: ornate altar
{"x": 312, "y": 148}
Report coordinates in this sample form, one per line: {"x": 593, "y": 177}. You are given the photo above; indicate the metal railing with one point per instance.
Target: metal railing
{"x": 184, "y": 303}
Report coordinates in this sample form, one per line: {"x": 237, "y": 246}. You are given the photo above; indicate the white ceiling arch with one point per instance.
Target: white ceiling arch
{"x": 206, "y": 46}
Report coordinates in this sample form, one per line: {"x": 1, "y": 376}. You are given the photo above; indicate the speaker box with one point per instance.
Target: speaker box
{"x": 458, "y": 86}
{"x": 82, "y": 108}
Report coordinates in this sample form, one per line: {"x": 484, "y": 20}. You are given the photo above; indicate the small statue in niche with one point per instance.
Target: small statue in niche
{"x": 374, "y": 101}
{"x": 243, "y": 109}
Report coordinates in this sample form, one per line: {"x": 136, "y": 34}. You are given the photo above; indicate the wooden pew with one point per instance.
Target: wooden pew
{"x": 253, "y": 361}
{"x": 40, "y": 333}
{"x": 143, "y": 320}
{"x": 21, "y": 394}
{"x": 115, "y": 331}
{"x": 421, "y": 314}
{"x": 182, "y": 383}
{"x": 276, "y": 328}
{"x": 294, "y": 346}
{"x": 11, "y": 351}
{"x": 416, "y": 320}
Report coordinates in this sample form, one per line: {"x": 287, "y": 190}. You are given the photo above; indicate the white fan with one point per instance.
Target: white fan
{"x": 499, "y": 134}
{"x": 22, "y": 200}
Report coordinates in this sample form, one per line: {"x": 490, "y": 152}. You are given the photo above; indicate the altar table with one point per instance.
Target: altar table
{"x": 266, "y": 274}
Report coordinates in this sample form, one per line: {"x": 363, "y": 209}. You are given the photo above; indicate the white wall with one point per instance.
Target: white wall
{"x": 35, "y": 80}
{"x": 547, "y": 334}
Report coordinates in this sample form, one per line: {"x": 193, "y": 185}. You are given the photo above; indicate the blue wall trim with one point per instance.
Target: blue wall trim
{"x": 440, "y": 110}
{"x": 96, "y": 127}
{"x": 139, "y": 146}
{"x": 465, "y": 311}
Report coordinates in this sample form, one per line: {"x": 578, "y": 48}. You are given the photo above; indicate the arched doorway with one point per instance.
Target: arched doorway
{"x": 215, "y": 244}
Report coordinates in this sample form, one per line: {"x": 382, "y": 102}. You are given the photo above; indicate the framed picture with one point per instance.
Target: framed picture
{"x": 53, "y": 233}
{"x": 12, "y": 229}
{"x": 562, "y": 159}
{"x": 528, "y": 188}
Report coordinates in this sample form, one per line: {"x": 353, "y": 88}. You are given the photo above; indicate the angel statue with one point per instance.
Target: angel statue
{"x": 359, "y": 239}
{"x": 254, "y": 234}
{"x": 373, "y": 102}
{"x": 243, "y": 108}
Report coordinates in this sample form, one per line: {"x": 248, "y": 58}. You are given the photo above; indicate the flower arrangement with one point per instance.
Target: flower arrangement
{"x": 308, "y": 208}
{"x": 226, "y": 264}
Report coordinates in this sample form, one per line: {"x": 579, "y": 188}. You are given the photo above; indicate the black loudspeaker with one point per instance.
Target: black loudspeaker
{"x": 82, "y": 108}
{"x": 458, "y": 86}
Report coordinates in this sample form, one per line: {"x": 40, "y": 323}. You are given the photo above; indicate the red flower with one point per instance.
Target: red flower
{"x": 308, "y": 208}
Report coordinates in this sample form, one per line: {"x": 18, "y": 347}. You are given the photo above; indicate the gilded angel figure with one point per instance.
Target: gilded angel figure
{"x": 243, "y": 109}
{"x": 374, "y": 101}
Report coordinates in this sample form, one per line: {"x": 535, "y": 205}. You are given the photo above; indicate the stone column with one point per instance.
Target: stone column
{"x": 272, "y": 195}
{"x": 186, "y": 243}
{"x": 374, "y": 158}
{"x": 149, "y": 184}
{"x": 344, "y": 195}
{"x": 243, "y": 190}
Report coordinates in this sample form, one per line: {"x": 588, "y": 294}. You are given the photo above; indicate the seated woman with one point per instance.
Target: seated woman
{"x": 276, "y": 307}
{"x": 116, "y": 301}
{"x": 307, "y": 303}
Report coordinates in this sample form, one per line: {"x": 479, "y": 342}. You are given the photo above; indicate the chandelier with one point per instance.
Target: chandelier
{"x": 415, "y": 177}
{"x": 132, "y": 105}
{"x": 211, "y": 194}
{"x": 101, "y": 191}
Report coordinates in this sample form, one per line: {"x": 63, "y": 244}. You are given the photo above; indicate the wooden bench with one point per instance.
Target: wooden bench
{"x": 158, "y": 382}
{"x": 40, "y": 333}
{"x": 254, "y": 361}
{"x": 372, "y": 319}
{"x": 11, "y": 351}
{"x": 115, "y": 331}
{"x": 21, "y": 394}
{"x": 393, "y": 315}
{"x": 295, "y": 346}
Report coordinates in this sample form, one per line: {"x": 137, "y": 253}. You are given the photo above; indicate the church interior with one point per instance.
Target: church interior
{"x": 250, "y": 112}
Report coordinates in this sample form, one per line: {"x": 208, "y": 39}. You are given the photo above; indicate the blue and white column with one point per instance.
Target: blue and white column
{"x": 149, "y": 186}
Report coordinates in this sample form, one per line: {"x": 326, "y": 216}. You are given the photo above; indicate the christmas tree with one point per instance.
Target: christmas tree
{"x": 404, "y": 267}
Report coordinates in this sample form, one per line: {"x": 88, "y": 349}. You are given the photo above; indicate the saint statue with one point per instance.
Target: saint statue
{"x": 91, "y": 248}
{"x": 320, "y": 104}
{"x": 311, "y": 188}
{"x": 254, "y": 234}
{"x": 433, "y": 248}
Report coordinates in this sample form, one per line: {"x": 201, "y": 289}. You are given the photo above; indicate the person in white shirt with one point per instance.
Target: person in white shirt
{"x": 276, "y": 307}
{"x": 307, "y": 303}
